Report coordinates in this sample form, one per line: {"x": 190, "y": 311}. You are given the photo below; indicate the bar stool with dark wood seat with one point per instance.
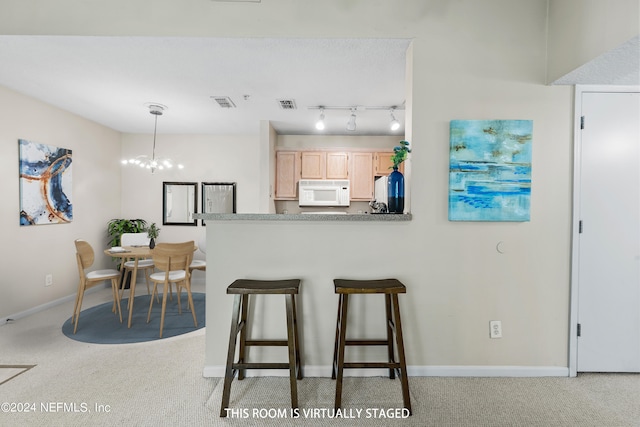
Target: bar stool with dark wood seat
{"x": 242, "y": 289}
{"x": 390, "y": 288}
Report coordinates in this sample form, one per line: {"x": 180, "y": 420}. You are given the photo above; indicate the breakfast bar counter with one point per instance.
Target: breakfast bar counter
{"x": 305, "y": 217}
{"x": 315, "y": 248}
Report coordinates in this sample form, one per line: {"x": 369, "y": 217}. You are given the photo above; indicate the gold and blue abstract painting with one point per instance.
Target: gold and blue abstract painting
{"x": 490, "y": 170}
{"x": 45, "y": 184}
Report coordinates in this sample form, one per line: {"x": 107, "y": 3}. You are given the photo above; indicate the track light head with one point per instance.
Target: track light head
{"x": 395, "y": 124}
{"x": 320, "y": 123}
{"x": 351, "y": 124}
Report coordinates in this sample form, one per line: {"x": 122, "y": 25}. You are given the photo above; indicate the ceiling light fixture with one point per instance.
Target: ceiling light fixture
{"x": 394, "y": 125}
{"x": 351, "y": 124}
{"x": 153, "y": 163}
{"x": 320, "y": 122}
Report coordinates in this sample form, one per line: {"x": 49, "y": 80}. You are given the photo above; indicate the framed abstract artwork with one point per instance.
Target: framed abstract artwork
{"x": 45, "y": 184}
{"x": 490, "y": 170}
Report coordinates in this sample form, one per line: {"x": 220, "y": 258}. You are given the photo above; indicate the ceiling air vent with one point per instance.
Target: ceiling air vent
{"x": 287, "y": 104}
{"x": 224, "y": 101}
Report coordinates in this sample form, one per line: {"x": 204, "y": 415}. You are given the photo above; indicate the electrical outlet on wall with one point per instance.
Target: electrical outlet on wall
{"x": 48, "y": 280}
{"x": 495, "y": 329}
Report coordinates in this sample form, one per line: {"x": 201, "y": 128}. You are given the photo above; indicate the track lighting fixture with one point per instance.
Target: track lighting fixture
{"x": 351, "y": 124}
{"x": 320, "y": 122}
{"x": 395, "y": 124}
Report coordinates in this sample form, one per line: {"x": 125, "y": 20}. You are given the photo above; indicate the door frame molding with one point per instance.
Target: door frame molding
{"x": 575, "y": 221}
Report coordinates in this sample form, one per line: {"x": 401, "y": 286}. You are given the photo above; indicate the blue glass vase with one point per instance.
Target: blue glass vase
{"x": 396, "y": 192}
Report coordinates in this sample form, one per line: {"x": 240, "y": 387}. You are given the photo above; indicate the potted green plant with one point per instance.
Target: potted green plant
{"x": 400, "y": 153}
{"x": 152, "y": 233}
{"x": 118, "y": 226}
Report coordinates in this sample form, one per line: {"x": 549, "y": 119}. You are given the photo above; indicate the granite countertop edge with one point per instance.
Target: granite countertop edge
{"x": 303, "y": 217}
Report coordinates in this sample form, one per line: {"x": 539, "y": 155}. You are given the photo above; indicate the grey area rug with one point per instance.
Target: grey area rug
{"x": 373, "y": 401}
{"x": 99, "y": 325}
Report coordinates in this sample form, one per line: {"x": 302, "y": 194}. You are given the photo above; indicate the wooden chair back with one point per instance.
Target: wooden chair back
{"x": 173, "y": 256}
{"x": 84, "y": 255}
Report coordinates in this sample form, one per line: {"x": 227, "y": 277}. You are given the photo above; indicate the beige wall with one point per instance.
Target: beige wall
{"x": 207, "y": 158}
{"x": 582, "y": 30}
{"x": 28, "y": 253}
{"x": 471, "y": 60}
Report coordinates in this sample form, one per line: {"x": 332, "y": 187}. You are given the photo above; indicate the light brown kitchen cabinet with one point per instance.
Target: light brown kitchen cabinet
{"x": 382, "y": 163}
{"x": 324, "y": 165}
{"x": 313, "y": 164}
{"x": 288, "y": 165}
{"x": 361, "y": 176}
{"x": 337, "y": 165}
{"x": 359, "y": 167}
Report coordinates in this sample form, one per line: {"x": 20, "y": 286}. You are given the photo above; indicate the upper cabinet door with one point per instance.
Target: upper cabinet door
{"x": 287, "y": 174}
{"x": 361, "y": 176}
{"x": 337, "y": 165}
{"x": 383, "y": 165}
{"x": 313, "y": 165}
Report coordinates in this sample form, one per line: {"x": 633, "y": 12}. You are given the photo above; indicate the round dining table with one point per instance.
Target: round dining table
{"x": 134, "y": 253}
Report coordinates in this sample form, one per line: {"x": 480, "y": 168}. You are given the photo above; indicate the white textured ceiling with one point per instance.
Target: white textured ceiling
{"x": 110, "y": 79}
{"x": 619, "y": 66}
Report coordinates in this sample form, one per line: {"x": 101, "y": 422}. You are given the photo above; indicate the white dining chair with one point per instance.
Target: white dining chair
{"x": 137, "y": 239}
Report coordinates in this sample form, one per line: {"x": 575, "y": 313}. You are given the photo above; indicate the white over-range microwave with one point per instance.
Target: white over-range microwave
{"x": 321, "y": 192}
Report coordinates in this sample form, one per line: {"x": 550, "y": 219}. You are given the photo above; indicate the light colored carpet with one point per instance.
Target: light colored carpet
{"x": 160, "y": 383}
{"x": 596, "y": 400}
{"x": 8, "y": 372}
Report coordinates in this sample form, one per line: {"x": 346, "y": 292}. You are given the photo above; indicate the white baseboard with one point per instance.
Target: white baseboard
{"x": 412, "y": 371}
{"x": 36, "y": 309}
{"x": 33, "y": 310}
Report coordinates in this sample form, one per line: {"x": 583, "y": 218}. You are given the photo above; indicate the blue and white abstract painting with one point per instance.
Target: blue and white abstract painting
{"x": 490, "y": 170}
{"x": 45, "y": 184}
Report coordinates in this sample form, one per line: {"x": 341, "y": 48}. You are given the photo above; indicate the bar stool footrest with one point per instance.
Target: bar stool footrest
{"x": 385, "y": 365}
{"x": 366, "y": 342}
{"x": 271, "y": 343}
{"x": 264, "y": 365}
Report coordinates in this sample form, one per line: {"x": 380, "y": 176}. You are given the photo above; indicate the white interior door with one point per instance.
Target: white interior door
{"x": 609, "y": 243}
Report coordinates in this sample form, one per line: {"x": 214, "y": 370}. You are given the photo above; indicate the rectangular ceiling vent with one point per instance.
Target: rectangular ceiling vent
{"x": 224, "y": 101}
{"x": 287, "y": 104}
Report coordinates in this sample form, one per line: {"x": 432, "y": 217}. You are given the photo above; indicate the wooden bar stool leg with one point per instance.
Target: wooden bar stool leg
{"x": 228, "y": 373}
{"x": 292, "y": 352}
{"x": 297, "y": 338}
{"x": 341, "y": 345}
{"x": 387, "y": 299}
{"x": 243, "y": 335}
{"x": 334, "y": 365}
{"x": 403, "y": 364}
